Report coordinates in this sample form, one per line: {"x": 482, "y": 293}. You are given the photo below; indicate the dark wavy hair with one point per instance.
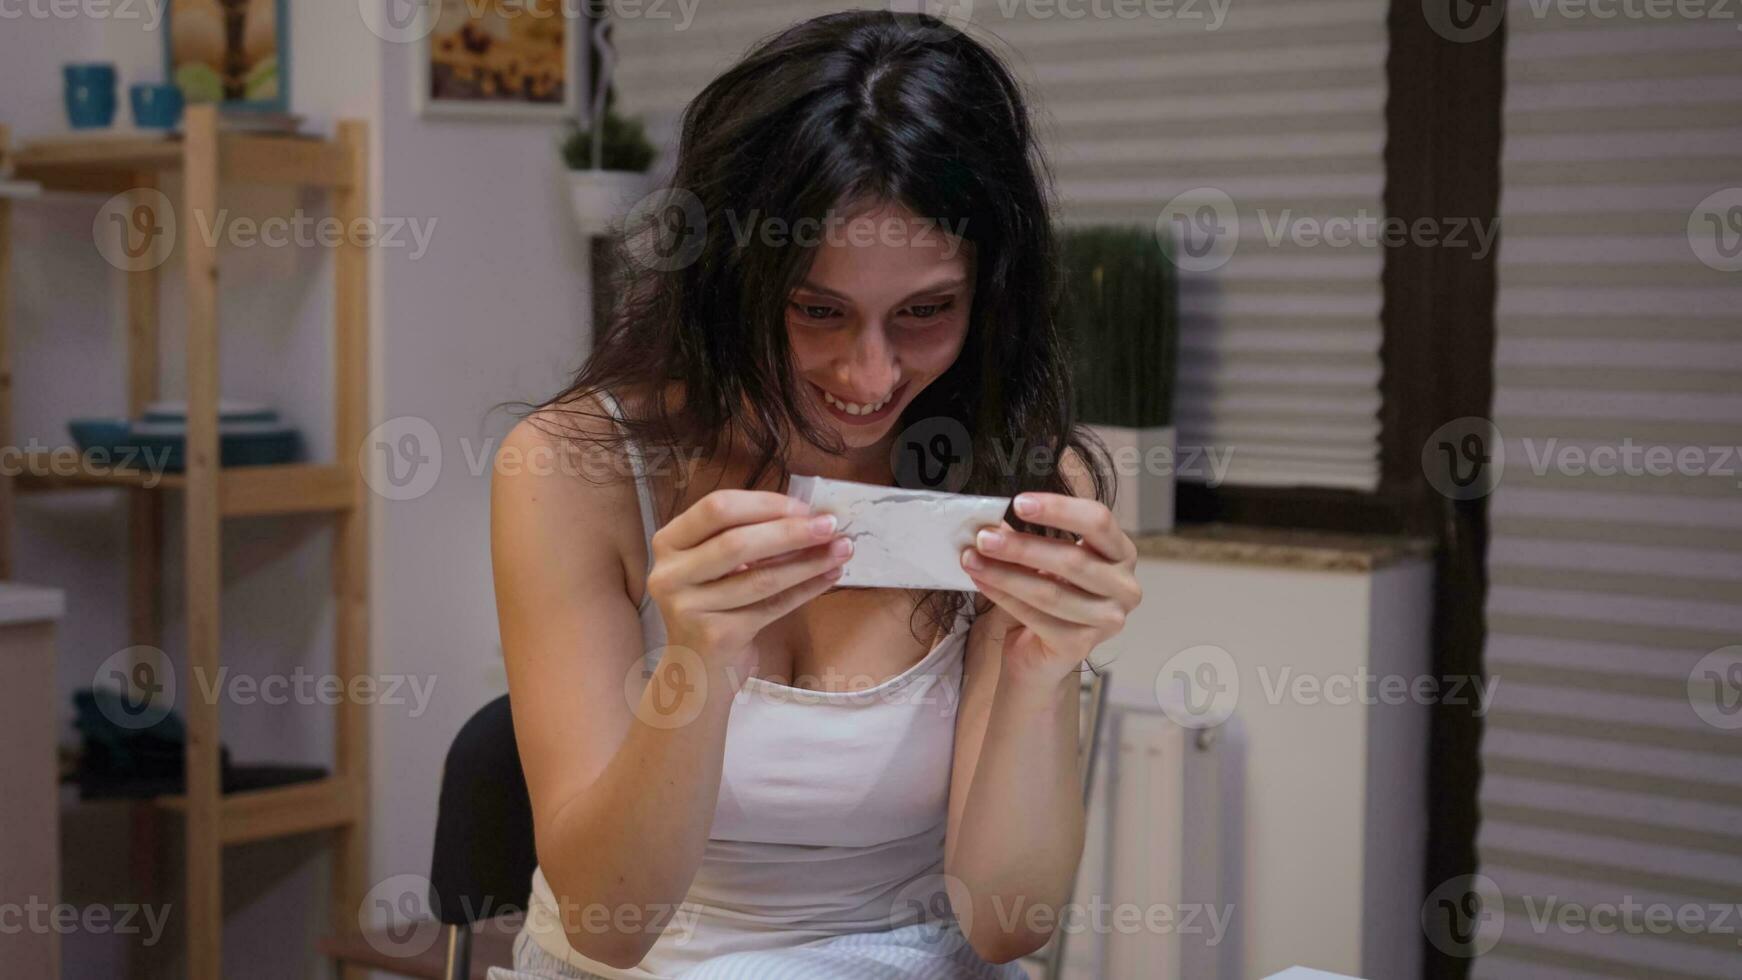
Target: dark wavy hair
{"x": 843, "y": 109}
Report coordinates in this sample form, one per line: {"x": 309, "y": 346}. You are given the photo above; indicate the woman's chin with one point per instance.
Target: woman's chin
{"x": 863, "y": 436}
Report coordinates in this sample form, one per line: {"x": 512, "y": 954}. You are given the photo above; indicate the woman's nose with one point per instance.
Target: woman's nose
{"x": 869, "y": 371}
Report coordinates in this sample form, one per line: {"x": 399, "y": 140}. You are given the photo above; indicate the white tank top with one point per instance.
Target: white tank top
{"x": 831, "y": 813}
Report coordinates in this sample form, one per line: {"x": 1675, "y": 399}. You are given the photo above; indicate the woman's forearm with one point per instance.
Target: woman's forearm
{"x": 620, "y": 857}
{"x": 1022, "y": 824}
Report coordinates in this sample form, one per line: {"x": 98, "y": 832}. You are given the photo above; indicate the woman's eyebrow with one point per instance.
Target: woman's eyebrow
{"x": 811, "y": 287}
{"x": 942, "y": 287}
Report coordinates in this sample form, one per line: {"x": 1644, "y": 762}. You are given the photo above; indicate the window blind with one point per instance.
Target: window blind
{"x": 1608, "y": 776}
{"x": 1268, "y": 125}
{"x": 1277, "y": 104}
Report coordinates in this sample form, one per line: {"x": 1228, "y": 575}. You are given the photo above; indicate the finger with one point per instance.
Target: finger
{"x": 1065, "y": 560}
{"x": 722, "y": 509}
{"x": 1055, "y": 632}
{"x": 777, "y": 606}
{"x": 1059, "y": 599}
{"x": 760, "y": 582}
{"x": 752, "y": 544}
{"x": 779, "y": 557}
{"x": 1089, "y": 519}
{"x": 789, "y": 556}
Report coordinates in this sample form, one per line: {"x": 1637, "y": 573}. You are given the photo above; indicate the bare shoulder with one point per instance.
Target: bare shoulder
{"x": 564, "y": 451}
{"x": 556, "y": 487}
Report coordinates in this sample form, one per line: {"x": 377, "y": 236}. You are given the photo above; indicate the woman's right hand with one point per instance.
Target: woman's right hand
{"x": 737, "y": 560}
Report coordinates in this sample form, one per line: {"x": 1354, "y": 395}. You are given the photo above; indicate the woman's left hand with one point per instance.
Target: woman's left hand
{"x": 1067, "y": 597}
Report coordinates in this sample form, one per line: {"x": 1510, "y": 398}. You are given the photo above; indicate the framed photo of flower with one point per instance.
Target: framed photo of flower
{"x": 235, "y": 53}
{"x": 508, "y": 59}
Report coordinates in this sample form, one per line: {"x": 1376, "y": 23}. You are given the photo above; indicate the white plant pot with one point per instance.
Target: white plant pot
{"x": 1144, "y": 464}
{"x": 601, "y": 198}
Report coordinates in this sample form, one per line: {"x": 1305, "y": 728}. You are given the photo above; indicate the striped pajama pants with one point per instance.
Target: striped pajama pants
{"x": 924, "y": 951}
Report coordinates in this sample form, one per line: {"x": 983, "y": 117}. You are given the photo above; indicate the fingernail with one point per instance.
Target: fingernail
{"x": 1027, "y": 506}
{"x": 841, "y": 547}
{"x": 970, "y": 558}
{"x": 823, "y": 525}
{"x": 834, "y": 573}
{"x": 989, "y": 540}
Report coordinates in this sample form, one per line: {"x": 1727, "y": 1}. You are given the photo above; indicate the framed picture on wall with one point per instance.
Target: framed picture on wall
{"x": 504, "y": 59}
{"x": 235, "y": 53}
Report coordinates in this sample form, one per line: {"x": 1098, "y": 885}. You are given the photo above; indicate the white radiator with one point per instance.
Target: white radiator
{"x": 1159, "y": 903}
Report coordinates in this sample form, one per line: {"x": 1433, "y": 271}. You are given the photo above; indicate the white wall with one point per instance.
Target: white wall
{"x": 495, "y": 309}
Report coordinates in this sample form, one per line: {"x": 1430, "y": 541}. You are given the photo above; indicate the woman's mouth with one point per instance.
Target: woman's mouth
{"x": 861, "y": 414}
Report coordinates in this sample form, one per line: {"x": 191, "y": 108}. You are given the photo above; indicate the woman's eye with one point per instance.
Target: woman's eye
{"x": 814, "y": 312}
{"x": 926, "y": 311}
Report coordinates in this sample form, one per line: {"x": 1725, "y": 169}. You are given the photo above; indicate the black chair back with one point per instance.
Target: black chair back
{"x": 484, "y": 851}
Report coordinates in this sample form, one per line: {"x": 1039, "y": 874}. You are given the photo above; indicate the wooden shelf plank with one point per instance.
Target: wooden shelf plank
{"x": 283, "y": 811}
{"x": 85, "y": 165}
{"x": 284, "y": 488}
{"x": 291, "y": 160}
{"x": 243, "y": 491}
{"x": 47, "y": 160}
{"x": 66, "y": 468}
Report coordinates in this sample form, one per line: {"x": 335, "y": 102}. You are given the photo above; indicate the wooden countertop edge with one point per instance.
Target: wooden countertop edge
{"x": 1284, "y": 548}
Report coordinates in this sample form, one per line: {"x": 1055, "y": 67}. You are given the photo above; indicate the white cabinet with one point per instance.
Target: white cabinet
{"x": 1322, "y": 774}
{"x": 29, "y": 781}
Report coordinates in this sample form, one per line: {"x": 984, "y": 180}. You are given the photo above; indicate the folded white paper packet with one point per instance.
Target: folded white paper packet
{"x": 902, "y": 539}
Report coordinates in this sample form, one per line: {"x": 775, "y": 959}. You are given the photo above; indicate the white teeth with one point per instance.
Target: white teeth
{"x": 853, "y": 408}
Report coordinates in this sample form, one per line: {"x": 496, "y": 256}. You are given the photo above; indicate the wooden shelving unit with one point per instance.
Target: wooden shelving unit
{"x": 203, "y": 159}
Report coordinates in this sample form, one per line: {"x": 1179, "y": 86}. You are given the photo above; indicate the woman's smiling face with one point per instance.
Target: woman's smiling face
{"x": 882, "y": 314}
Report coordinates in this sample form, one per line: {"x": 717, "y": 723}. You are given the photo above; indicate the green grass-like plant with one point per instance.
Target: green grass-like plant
{"x": 625, "y": 145}
{"x": 1119, "y": 313}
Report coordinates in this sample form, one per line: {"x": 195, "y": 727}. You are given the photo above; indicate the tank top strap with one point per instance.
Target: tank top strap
{"x": 643, "y": 490}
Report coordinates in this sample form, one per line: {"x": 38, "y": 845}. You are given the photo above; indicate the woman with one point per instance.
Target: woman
{"x": 735, "y": 771}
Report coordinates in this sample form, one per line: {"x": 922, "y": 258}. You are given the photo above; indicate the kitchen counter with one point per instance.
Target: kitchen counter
{"x": 29, "y": 774}
{"x": 1283, "y": 547}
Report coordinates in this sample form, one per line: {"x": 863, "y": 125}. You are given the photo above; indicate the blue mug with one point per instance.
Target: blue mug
{"x": 156, "y": 105}
{"x": 90, "y": 95}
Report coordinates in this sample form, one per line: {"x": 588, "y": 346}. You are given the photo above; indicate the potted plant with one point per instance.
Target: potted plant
{"x": 607, "y": 170}
{"x": 1119, "y": 311}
